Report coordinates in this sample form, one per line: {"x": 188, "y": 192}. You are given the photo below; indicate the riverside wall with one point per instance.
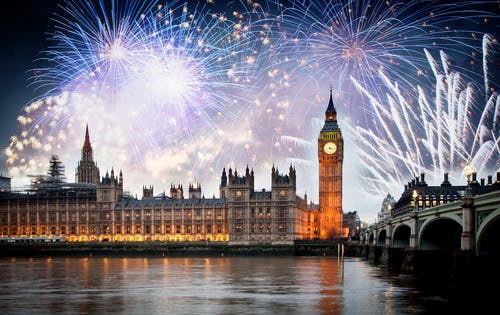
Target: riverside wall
{"x": 188, "y": 249}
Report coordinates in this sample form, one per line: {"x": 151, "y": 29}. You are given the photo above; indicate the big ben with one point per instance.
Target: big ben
{"x": 330, "y": 155}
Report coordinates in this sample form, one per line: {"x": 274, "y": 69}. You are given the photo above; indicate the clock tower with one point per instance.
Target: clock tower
{"x": 330, "y": 155}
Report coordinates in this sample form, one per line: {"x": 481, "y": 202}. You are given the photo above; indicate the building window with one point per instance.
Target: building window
{"x": 239, "y": 214}
{"x": 281, "y": 228}
{"x": 238, "y": 193}
{"x": 209, "y": 228}
{"x": 268, "y": 213}
{"x": 177, "y": 228}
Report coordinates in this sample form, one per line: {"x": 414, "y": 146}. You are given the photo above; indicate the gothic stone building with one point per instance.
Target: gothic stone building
{"x": 96, "y": 208}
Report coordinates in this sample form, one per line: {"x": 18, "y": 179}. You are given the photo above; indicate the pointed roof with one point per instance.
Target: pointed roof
{"x": 87, "y": 153}
{"x": 330, "y": 117}
{"x": 87, "y": 137}
{"x": 331, "y": 107}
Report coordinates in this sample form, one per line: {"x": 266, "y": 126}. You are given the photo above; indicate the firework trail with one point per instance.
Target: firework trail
{"x": 332, "y": 41}
{"x": 432, "y": 135}
{"x": 161, "y": 79}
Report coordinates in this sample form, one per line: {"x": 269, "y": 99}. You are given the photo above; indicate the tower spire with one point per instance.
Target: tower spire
{"x": 87, "y": 171}
{"x": 87, "y": 137}
{"x": 87, "y": 153}
{"x": 331, "y": 113}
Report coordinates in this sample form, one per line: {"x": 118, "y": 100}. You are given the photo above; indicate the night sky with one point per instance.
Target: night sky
{"x": 22, "y": 34}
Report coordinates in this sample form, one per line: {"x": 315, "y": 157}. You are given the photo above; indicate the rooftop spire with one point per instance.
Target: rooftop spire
{"x": 87, "y": 147}
{"x": 87, "y": 137}
{"x": 331, "y": 113}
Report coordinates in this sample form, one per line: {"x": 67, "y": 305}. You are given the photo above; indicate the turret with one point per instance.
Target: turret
{"x": 110, "y": 189}
{"x": 147, "y": 192}
{"x": 176, "y": 192}
{"x": 223, "y": 178}
{"x": 194, "y": 191}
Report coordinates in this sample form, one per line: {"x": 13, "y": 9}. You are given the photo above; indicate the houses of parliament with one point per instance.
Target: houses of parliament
{"x": 95, "y": 208}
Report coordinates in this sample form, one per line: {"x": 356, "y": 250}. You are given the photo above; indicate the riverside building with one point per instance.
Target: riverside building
{"x": 96, "y": 208}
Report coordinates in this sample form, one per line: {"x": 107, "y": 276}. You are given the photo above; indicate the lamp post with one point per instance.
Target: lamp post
{"x": 467, "y": 242}
{"x": 468, "y": 174}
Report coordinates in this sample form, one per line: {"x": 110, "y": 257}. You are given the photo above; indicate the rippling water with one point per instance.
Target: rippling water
{"x": 235, "y": 285}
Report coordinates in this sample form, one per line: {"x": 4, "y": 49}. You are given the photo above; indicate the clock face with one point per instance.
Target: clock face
{"x": 330, "y": 148}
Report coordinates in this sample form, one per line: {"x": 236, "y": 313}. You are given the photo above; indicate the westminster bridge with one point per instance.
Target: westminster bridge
{"x": 464, "y": 228}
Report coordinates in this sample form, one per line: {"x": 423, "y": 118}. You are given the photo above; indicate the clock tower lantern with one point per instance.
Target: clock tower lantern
{"x": 330, "y": 155}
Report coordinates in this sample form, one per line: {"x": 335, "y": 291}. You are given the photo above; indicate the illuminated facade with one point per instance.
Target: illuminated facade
{"x": 94, "y": 209}
{"x": 330, "y": 156}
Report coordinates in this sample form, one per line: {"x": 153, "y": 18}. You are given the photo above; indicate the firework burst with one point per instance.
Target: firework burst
{"x": 432, "y": 134}
{"x": 157, "y": 76}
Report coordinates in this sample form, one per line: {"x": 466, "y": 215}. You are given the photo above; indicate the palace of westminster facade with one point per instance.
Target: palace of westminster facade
{"x": 96, "y": 209}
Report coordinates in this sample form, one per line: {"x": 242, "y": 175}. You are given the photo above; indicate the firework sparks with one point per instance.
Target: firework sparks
{"x": 434, "y": 136}
{"x": 181, "y": 92}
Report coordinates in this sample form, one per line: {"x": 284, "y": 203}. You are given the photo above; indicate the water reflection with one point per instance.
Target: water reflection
{"x": 236, "y": 285}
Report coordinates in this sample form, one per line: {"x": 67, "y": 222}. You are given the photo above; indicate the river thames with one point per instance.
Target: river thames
{"x": 234, "y": 285}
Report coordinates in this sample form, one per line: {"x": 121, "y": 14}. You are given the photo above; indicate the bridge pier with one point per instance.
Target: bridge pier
{"x": 408, "y": 261}
{"x": 414, "y": 230}
{"x": 467, "y": 240}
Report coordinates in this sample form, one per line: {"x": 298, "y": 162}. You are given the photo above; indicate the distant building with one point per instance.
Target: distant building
{"x": 4, "y": 183}
{"x": 417, "y": 195}
{"x": 352, "y": 225}
{"x": 386, "y": 208}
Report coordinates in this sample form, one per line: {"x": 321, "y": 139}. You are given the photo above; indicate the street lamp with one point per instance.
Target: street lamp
{"x": 468, "y": 174}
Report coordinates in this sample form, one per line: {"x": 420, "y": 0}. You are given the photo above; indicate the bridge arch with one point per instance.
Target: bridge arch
{"x": 382, "y": 235}
{"x": 371, "y": 238}
{"x": 401, "y": 236}
{"x": 441, "y": 233}
{"x": 488, "y": 238}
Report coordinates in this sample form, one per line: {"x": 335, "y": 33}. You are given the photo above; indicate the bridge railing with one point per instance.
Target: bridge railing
{"x": 401, "y": 211}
